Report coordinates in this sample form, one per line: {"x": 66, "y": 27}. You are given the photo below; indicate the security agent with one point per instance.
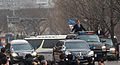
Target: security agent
{"x": 100, "y": 31}
{"x": 3, "y": 57}
{"x": 62, "y": 61}
{"x": 71, "y": 60}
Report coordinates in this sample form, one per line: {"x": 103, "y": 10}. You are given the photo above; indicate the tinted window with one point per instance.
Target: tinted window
{"x": 18, "y": 47}
{"x": 76, "y": 45}
{"x": 35, "y": 42}
{"x": 89, "y": 38}
{"x": 108, "y": 41}
{"x": 50, "y": 43}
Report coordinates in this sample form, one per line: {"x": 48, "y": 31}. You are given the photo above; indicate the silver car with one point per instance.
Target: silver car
{"x": 19, "y": 49}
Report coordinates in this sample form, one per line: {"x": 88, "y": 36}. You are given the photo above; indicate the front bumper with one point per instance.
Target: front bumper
{"x": 16, "y": 59}
{"x": 99, "y": 54}
{"x": 111, "y": 55}
{"x": 85, "y": 59}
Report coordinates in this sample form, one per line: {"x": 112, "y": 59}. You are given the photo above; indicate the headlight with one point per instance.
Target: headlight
{"x": 67, "y": 52}
{"x": 91, "y": 53}
{"x": 103, "y": 48}
{"x": 14, "y": 54}
{"x": 112, "y": 50}
{"x": 34, "y": 54}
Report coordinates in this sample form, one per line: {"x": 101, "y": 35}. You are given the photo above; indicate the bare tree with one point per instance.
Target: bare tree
{"x": 36, "y": 25}
{"x": 99, "y": 13}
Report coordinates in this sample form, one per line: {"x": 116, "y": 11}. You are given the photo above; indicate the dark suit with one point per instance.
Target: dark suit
{"x": 77, "y": 28}
{"x": 100, "y": 33}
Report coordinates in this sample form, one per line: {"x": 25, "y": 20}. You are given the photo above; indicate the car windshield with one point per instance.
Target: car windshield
{"x": 108, "y": 41}
{"x": 18, "y": 47}
{"x": 89, "y": 38}
{"x": 76, "y": 45}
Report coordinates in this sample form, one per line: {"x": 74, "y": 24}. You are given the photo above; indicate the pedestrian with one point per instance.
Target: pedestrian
{"x": 71, "y": 60}
{"x": 28, "y": 60}
{"x": 78, "y": 27}
{"x": 101, "y": 62}
{"x": 100, "y": 31}
{"x": 3, "y": 57}
{"x": 101, "y": 59}
{"x": 42, "y": 60}
{"x": 62, "y": 61}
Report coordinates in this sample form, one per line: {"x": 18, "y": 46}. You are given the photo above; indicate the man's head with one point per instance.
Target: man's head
{"x": 78, "y": 22}
{"x": 62, "y": 56}
{"x": 41, "y": 57}
{"x": 3, "y": 50}
{"x": 99, "y": 28}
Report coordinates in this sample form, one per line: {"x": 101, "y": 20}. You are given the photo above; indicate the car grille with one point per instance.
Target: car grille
{"x": 80, "y": 53}
{"x": 22, "y": 54}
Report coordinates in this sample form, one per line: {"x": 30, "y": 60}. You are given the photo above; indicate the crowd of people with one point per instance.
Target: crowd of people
{"x": 29, "y": 59}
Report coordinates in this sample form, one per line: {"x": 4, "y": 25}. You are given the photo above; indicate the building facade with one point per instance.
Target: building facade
{"x": 9, "y": 4}
{"x": 45, "y": 3}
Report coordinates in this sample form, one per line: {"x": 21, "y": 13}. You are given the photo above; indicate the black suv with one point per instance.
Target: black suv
{"x": 94, "y": 42}
{"x": 79, "y": 49}
{"x": 112, "y": 47}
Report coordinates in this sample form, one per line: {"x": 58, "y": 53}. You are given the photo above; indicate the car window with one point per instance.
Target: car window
{"x": 50, "y": 43}
{"x": 18, "y": 47}
{"x": 107, "y": 41}
{"x": 89, "y": 38}
{"x": 76, "y": 45}
{"x": 35, "y": 42}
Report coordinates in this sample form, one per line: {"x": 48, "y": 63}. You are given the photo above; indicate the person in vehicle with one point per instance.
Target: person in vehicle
{"x": 78, "y": 27}
{"x": 100, "y": 31}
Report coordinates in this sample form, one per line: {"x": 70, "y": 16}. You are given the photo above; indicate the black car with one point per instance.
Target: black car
{"x": 111, "y": 47}
{"x": 94, "y": 43}
{"x": 79, "y": 49}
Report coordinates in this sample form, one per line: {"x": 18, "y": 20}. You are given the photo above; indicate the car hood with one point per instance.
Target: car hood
{"x": 108, "y": 46}
{"x": 96, "y": 45}
{"x": 24, "y": 52}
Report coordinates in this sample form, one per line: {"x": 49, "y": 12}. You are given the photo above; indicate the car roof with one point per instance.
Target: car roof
{"x": 86, "y": 34}
{"x": 19, "y": 42}
{"x": 48, "y": 37}
{"x": 73, "y": 40}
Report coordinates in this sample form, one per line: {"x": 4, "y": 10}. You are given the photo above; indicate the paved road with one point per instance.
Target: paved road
{"x": 106, "y": 63}
{"x": 110, "y": 63}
